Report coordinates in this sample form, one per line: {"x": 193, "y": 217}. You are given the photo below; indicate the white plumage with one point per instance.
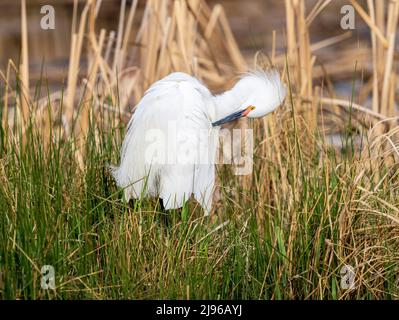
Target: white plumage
{"x": 170, "y": 145}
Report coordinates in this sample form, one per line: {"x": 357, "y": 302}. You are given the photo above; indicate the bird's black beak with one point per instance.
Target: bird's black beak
{"x": 233, "y": 116}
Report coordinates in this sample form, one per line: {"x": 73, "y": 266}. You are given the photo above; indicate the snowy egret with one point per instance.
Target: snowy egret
{"x": 174, "y": 121}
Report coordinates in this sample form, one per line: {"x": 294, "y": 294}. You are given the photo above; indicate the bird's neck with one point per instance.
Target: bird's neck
{"x": 226, "y": 104}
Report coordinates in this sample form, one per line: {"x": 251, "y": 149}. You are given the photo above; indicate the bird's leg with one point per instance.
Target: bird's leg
{"x": 131, "y": 204}
{"x": 162, "y": 206}
{"x": 165, "y": 217}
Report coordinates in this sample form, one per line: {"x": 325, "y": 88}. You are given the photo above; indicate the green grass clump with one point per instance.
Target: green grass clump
{"x": 289, "y": 231}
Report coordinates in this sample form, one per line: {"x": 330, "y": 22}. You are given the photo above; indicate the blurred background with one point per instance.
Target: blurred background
{"x": 252, "y": 23}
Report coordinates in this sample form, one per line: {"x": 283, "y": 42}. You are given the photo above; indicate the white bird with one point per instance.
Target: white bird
{"x": 169, "y": 149}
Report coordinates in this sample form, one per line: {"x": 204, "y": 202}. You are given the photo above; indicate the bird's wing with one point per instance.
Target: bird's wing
{"x": 166, "y": 137}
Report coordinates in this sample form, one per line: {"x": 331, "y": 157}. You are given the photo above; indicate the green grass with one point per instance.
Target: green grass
{"x": 288, "y": 234}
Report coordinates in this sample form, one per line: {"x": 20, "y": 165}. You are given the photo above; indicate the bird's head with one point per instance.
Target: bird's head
{"x": 257, "y": 93}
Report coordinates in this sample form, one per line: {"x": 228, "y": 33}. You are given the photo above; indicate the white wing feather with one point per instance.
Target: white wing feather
{"x": 177, "y": 99}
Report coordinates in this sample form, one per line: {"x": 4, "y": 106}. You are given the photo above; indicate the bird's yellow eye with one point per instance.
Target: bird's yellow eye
{"x": 251, "y": 108}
